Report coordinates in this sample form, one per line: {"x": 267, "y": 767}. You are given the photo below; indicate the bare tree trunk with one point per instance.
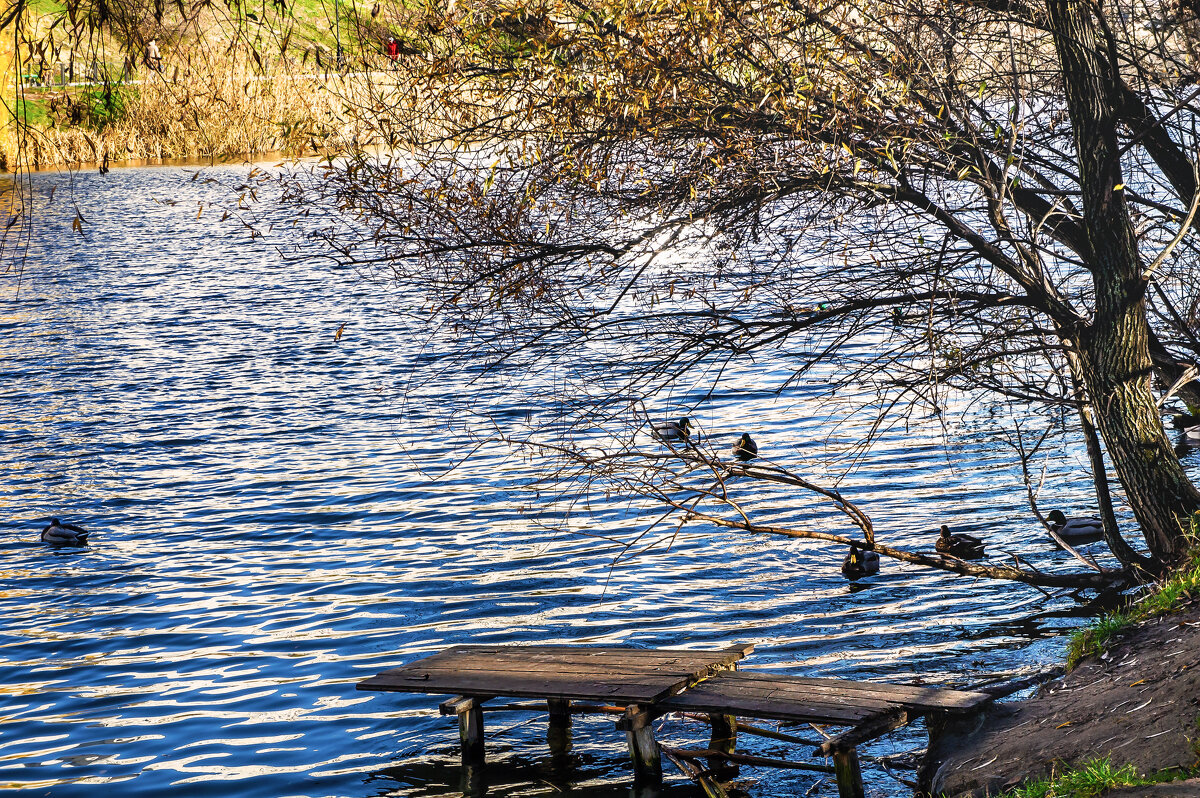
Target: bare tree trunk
{"x": 1115, "y": 347}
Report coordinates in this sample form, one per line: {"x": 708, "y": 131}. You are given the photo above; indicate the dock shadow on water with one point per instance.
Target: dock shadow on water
{"x": 512, "y": 775}
{"x": 277, "y": 513}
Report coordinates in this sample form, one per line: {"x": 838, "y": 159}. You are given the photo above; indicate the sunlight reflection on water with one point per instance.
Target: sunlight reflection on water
{"x": 267, "y": 531}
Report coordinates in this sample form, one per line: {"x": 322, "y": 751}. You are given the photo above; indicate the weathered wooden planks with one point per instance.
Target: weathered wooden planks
{"x": 648, "y": 683}
{"x": 621, "y": 675}
{"x": 784, "y": 697}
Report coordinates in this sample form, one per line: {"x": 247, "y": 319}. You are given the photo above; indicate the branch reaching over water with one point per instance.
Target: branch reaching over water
{"x": 696, "y": 485}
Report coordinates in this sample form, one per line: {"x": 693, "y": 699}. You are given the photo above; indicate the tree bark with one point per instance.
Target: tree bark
{"x": 1115, "y": 346}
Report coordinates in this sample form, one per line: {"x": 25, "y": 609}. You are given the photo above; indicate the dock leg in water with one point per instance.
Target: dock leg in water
{"x": 723, "y": 738}
{"x": 471, "y": 781}
{"x": 643, "y": 748}
{"x": 470, "y": 731}
{"x": 558, "y": 734}
{"x": 849, "y": 777}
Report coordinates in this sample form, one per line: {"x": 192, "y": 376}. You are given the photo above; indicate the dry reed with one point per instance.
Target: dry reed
{"x": 206, "y": 105}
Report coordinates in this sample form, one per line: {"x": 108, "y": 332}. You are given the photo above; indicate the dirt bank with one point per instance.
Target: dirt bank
{"x": 1138, "y": 704}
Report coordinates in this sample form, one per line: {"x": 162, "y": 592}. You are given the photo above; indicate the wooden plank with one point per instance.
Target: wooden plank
{"x": 931, "y": 698}
{"x": 715, "y": 687}
{"x": 619, "y": 691}
{"x": 694, "y": 669}
{"x": 782, "y": 698}
{"x": 913, "y": 697}
{"x": 714, "y": 696}
{"x": 534, "y": 659}
{"x": 532, "y": 667}
{"x": 467, "y": 656}
{"x": 578, "y": 672}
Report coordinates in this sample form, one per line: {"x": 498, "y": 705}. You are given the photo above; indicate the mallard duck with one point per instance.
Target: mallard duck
{"x": 61, "y": 534}
{"x": 745, "y": 449}
{"x": 961, "y": 545}
{"x": 679, "y": 430}
{"x": 860, "y": 563}
{"x": 1075, "y": 530}
{"x": 1184, "y": 420}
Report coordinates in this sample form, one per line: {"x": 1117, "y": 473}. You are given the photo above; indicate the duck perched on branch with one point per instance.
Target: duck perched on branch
{"x": 745, "y": 449}
{"x": 678, "y": 430}
{"x": 60, "y": 534}
{"x": 1075, "y": 530}
{"x": 860, "y": 563}
{"x": 961, "y": 545}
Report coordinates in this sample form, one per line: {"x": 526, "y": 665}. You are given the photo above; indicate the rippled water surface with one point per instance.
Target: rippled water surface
{"x": 274, "y": 518}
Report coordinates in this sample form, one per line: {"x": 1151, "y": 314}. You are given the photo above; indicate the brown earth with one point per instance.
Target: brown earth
{"x": 1139, "y": 704}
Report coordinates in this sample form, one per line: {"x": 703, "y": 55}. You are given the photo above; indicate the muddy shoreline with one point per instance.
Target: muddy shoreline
{"x": 1138, "y": 703}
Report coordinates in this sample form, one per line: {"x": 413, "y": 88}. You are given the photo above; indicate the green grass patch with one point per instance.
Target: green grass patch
{"x": 32, "y": 112}
{"x": 1089, "y": 780}
{"x": 1180, "y": 585}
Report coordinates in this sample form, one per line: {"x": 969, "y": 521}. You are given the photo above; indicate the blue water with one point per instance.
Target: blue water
{"x": 275, "y": 516}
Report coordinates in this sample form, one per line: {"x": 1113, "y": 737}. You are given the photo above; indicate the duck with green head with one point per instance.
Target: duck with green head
{"x": 679, "y": 430}
{"x": 745, "y": 449}
{"x": 860, "y": 563}
{"x": 1075, "y": 530}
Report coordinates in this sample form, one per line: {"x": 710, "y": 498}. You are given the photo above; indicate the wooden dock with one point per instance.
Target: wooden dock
{"x": 643, "y": 684}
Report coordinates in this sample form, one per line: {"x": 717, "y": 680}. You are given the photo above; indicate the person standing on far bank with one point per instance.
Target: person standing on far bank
{"x": 153, "y": 58}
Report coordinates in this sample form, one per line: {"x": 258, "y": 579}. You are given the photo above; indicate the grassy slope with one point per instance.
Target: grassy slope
{"x": 1095, "y": 778}
{"x": 1180, "y": 585}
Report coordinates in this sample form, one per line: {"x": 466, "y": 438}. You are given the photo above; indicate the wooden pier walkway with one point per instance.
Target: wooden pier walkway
{"x": 643, "y": 684}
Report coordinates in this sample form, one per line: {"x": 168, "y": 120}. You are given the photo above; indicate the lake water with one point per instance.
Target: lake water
{"x": 274, "y": 517}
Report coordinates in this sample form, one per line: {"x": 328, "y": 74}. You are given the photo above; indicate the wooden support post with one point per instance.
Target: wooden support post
{"x": 846, "y": 770}
{"x": 558, "y": 733}
{"x": 724, "y": 739}
{"x": 470, "y": 732}
{"x": 643, "y": 748}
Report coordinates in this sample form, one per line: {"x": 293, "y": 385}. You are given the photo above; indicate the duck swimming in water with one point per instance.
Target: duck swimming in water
{"x": 1075, "y": 530}
{"x": 61, "y": 534}
{"x": 679, "y": 430}
{"x": 860, "y": 563}
{"x": 961, "y": 545}
{"x": 745, "y": 449}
